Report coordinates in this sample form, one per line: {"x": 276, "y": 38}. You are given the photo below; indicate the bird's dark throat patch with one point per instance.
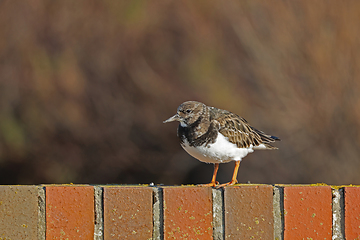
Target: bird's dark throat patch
{"x": 192, "y": 136}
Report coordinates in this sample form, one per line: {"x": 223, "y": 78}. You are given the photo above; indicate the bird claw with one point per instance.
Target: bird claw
{"x": 232, "y": 182}
{"x": 212, "y": 184}
{"x": 217, "y": 186}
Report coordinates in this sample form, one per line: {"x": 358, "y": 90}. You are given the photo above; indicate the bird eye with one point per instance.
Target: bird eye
{"x": 188, "y": 111}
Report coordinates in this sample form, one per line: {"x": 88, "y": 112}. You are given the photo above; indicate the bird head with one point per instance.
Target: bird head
{"x": 188, "y": 113}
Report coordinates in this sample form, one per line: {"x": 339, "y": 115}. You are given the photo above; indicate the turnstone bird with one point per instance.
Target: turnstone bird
{"x": 217, "y": 136}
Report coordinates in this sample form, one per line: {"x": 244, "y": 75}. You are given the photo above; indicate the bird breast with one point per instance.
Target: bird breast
{"x": 221, "y": 151}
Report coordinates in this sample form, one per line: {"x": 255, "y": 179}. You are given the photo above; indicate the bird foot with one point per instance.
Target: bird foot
{"x": 212, "y": 184}
{"x": 232, "y": 182}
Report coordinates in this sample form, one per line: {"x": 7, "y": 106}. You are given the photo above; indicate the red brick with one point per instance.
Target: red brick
{"x": 69, "y": 212}
{"x": 249, "y": 212}
{"x": 128, "y": 212}
{"x": 187, "y": 213}
{"x": 352, "y": 212}
{"x": 19, "y": 212}
{"x": 308, "y": 212}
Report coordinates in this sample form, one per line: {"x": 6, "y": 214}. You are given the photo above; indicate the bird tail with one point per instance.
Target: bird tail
{"x": 266, "y": 139}
{"x": 275, "y": 138}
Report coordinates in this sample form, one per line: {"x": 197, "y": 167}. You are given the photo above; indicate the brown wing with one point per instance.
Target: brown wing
{"x": 239, "y": 132}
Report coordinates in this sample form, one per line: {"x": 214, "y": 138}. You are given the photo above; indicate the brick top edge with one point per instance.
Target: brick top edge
{"x": 182, "y": 186}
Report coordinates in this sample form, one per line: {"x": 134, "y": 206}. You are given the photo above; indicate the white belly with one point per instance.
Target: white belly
{"x": 221, "y": 151}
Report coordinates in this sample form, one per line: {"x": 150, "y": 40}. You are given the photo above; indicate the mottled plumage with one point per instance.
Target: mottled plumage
{"x": 214, "y": 135}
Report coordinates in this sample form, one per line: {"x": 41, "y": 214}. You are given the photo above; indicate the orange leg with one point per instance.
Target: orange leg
{"x": 213, "y": 181}
{"x": 233, "y": 180}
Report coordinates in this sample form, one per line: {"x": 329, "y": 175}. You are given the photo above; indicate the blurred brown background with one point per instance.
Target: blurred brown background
{"x": 85, "y": 86}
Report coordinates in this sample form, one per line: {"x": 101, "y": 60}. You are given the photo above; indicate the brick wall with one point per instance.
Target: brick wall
{"x": 186, "y": 212}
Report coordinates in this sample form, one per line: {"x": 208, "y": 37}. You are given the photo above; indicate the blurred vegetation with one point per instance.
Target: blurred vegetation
{"x": 85, "y": 86}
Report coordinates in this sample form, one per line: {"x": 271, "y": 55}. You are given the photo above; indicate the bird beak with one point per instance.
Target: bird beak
{"x": 176, "y": 117}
